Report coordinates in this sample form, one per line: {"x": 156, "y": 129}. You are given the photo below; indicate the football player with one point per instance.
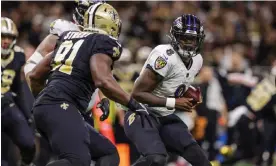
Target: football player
{"x": 260, "y": 104}
{"x": 57, "y": 27}
{"x": 14, "y": 112}
{"x": 81, "y": 62}
{"x": 166, "y": 75}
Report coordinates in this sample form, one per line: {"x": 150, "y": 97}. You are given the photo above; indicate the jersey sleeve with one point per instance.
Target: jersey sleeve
{"x": 158, "y": 63}
{"x": 107, "y": 45}
{"x": 59, "y": 26}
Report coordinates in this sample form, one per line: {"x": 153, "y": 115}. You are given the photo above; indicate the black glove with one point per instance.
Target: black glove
{"x": 142, "y": 110}
{"x": 104, "y": 106}
{"x": 133, "y": 105}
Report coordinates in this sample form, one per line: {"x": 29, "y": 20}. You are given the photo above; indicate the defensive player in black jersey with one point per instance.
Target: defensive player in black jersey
{"x": 14, "y": 112}
{"x": 262, "y": 103}
{"x": 259, "y": 104}
{"x": 81, "y": 62}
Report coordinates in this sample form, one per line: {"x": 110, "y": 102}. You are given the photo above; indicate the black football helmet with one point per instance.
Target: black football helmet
{"x": 187, "y": 35}
{"x": 80, "y": 8}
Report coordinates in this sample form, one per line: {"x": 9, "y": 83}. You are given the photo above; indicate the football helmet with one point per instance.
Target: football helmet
{"x": 80, "y": 8}
{"x": 8, "y": 30}
{"x": 187, "y": 35}
{"x": 102, "y": 18}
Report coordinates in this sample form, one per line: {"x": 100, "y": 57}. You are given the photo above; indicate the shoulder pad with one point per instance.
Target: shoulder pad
{"x": 20, "y": 55}
{"x": 18, "y": 49}
{"x": 198, "y": 60}
{"x": 59, "y": 26}
{"x": 108, "y": 45}
{"x": 163, "y": 48}
{"x": 158, "y": 61}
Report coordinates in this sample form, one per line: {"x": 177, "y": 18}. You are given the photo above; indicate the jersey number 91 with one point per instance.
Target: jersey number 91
{"x": 63, "y": 62}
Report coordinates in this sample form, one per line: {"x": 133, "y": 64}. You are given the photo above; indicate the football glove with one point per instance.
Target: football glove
{"x": 104, "y": 106}
{"x": 142, "y": 110}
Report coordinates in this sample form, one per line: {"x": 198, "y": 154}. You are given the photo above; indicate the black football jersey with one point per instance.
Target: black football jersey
{"x": 70, "y": 78}
{"x": 10, "y": 72}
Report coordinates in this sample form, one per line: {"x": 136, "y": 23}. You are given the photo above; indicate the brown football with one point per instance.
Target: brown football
{"x": 194, "y": 93}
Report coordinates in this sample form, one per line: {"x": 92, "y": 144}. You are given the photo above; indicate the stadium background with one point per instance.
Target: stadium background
{"x": 240, "y": 36}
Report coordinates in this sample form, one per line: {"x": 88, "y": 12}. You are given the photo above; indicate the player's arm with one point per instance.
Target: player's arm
{"x": 144, "y": 86}
{"x": 103, "y": 54}
{"x": 22, "y": 98}
{"x": 100, "y": 66}
{"x": 57, "y": 27}
{"x": 44, "y": 48}
{"x": 39, "y": 74}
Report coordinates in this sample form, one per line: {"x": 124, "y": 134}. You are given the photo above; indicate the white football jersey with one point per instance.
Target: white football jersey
{"x": 59, "y": 26}
{"x": 176, "y": 77}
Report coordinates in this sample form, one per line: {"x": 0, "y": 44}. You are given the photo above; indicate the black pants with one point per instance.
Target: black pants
{"x": 171, "y": 134}
{"x": 70, "y": 137}
{"x": 15, "y": 126}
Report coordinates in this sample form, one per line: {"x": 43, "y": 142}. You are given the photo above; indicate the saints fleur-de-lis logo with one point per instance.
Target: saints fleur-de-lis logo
{"x": 64, "y": 106}
{"x": 113, "y": 15}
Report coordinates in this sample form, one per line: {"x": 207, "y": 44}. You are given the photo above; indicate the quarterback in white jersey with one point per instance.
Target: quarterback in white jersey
{"x": 165, "y": 62}
{"x": 166, "y": 75}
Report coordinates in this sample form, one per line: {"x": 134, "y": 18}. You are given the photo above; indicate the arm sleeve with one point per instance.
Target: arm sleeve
{"x": 24, "y": 99}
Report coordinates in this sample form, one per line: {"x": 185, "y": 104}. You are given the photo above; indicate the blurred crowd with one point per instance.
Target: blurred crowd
{"x": 240, "y": 38}
{"x": 248, "y": 27}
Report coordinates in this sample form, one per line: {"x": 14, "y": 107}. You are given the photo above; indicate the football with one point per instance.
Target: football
{"x": 194, "y": 93}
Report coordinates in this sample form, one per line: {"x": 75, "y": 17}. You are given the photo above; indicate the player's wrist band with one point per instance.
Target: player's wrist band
{"x": 170, "y": 103}
{"x": 32, "y": 62}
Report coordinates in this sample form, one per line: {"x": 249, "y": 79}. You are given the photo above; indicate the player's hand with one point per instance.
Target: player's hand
{"x": 184, "y": 104}
{"x": 143, "y": 111}
{"x": 200, "y": 100}
{"x": 104, "y": 106}
{"x": 133, "y": 105}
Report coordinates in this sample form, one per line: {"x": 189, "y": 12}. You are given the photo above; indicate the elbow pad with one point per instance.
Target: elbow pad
{"x": 32, "y": 62}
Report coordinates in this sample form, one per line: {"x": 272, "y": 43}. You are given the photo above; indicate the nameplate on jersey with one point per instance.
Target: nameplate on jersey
{"x": 160, "y": 63}
{"x": 75, "y": 35}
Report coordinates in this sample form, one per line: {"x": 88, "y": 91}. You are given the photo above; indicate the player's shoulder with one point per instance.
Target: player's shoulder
{"x": 18, "y": 49}
{"x": 59, "y": 26}
{"x": 162, "y": 48}
{"x": 19, "y": 54}
{"x": 198, "y": 61}
{"x": 106, "y": 44}
{"x": 166, "y": 52}
{"x": 107, "y": 39}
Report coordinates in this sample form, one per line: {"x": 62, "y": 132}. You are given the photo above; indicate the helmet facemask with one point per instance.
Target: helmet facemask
{"x": 6, "y": 50}
{"x": 80, "y": 8}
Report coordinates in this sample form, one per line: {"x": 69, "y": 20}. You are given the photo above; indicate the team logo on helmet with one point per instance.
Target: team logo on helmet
{"x": 102, "y": 18}
{"x": 178, "y": 23}
{"x": 113, "y": 15}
